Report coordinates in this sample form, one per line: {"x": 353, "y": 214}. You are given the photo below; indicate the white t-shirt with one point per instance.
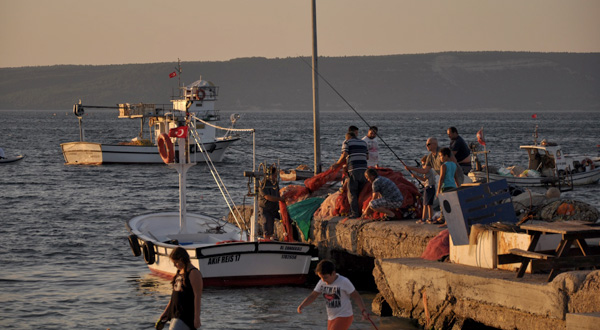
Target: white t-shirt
{"x": 373, "y": 147}
{"x": 337, "y": 297}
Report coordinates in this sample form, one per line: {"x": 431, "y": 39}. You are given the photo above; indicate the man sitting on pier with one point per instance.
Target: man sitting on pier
{"x": 386, "y": 195}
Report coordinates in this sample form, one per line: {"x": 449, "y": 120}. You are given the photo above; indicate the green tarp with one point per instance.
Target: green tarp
{"x": 301, "y": 213}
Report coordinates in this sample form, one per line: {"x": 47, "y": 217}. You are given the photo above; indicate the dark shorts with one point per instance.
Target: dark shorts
{"x": 429, "y": 195}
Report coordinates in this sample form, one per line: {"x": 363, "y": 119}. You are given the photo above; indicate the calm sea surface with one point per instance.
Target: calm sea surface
{"x": 66, "y": 263}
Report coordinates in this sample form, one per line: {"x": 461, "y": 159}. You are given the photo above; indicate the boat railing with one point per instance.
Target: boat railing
{"x": 141, "y": 110}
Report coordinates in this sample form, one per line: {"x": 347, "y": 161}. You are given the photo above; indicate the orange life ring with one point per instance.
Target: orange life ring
{"x": 200, "y": 94}
{"x": 586, "y": 162}
{"x": 165, "y": 148}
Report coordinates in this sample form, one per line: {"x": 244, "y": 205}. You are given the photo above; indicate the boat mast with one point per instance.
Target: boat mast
{"x": 315, "y": 84}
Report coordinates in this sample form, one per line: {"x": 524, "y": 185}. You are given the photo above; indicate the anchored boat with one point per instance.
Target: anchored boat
{"x": 547, "y": 165}
{"x": 196, "y": 100}
{"x": 225, "y": 254}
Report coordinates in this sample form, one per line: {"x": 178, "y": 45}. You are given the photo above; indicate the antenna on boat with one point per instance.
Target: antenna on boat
{"x": 78, "y": 111}
{"x": 178, "y": 68}
{"x": 535, "y": 135}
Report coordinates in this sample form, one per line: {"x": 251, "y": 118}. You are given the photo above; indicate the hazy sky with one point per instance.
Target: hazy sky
{"x": 48, "y": 32}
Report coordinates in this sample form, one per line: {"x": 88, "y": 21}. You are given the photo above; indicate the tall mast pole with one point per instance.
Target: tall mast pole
{"x": 315, "y": 84}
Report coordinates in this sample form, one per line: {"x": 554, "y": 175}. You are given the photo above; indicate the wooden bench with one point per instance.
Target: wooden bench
{"x": 530, "y": 254}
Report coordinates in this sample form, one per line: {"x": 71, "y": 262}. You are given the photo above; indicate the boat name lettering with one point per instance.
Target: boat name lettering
{"x": 224, "y": 259}
{"x": 288, "y": 256}
{"x": 290, "y": 248}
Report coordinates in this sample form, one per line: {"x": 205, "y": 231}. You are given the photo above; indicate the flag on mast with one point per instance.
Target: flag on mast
{"x": 173, "y": 74}
{"x": 480, "y": 138}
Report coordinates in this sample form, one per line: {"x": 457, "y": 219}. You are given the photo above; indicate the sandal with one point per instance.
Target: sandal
{"x": 436, "y": 222}
{"x": 421, "y": 222}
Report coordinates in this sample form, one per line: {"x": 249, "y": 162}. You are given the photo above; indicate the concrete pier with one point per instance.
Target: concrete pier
{"x": 457, "y": 296}
{"x": 443, "y": 295}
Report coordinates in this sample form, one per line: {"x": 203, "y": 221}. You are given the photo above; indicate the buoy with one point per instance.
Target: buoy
{"x": 166, "y": 148}
{"x": 200, "y": 94}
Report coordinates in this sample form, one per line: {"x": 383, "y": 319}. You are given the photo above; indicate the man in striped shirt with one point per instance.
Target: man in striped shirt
{"x": 354, "y": 154}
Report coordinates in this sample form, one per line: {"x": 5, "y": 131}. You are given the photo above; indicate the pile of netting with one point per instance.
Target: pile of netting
{"x": 337, "y": 204}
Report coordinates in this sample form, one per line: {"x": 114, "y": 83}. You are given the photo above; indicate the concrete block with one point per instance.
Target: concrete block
{"x": 588, "y": 321}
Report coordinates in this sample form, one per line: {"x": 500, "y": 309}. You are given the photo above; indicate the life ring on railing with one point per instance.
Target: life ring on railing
{"x": 586, "y": 161}
{"x": 200, "y": 94}
{"x": 149, "y": 254}
{"x": 165, "y": 148}
{"x": 135, "y": 245}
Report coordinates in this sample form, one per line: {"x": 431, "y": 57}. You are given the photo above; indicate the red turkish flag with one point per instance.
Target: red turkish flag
{"x": 173, "y": 74}
{"x": 179, "y": 132}
{"x": 534, "y": 116}
{"x": 480, "y": 137}
{"x": 182, "y": 132}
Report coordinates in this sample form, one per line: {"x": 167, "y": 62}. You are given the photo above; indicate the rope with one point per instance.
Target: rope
{"x": 358, "y": 114}
{"x": 249, "y": 130}
{"x": 213, "y": 171}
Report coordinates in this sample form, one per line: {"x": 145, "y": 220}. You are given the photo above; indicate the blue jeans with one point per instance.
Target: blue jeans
{"x": 355, "y": 186}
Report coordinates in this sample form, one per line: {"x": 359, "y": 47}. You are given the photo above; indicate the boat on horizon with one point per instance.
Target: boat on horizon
{"x": 196, "y": 100}
{"x": 224, "y": 253}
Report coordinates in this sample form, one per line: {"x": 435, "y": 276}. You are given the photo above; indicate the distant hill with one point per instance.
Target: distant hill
{"x": 437, "y": 81}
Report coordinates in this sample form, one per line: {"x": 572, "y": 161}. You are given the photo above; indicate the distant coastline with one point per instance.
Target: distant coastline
{"x": 454, "y": 81}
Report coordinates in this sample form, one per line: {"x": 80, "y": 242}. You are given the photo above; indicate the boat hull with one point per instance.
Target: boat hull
{"x": 579, "y": 179}
{"x": 11, "y": 159}
{"x": 222, "y": 257}
{"x": 90, "y": 153}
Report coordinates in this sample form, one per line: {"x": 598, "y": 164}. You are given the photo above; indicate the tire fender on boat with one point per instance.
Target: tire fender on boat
{"x": 200, "y": 94}
{"x": 149, "y": 254}
{"x": 165, "y": 148}
{"x": 135, "y": 245}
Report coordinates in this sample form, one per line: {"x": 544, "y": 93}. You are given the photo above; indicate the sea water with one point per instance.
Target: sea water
{"x": 65, "y": 261}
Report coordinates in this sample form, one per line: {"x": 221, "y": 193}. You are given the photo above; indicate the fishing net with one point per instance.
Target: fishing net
{"x": 302, "y": 212}
{"x": 438, "y": 247}
{"x": 286, "y": 221}
{"x": 328, "y": 206}
{"x": 317, "y": 181}
{"x": 294, "y": 193}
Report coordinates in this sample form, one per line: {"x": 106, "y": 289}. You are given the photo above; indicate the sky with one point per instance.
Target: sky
{"x": 99, "y": 32}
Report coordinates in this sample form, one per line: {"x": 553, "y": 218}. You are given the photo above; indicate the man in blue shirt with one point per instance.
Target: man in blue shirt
{"x": 354, "y": 154}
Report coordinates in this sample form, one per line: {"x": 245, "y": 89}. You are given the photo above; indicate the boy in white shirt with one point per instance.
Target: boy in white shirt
{"x": 337, "y": 291}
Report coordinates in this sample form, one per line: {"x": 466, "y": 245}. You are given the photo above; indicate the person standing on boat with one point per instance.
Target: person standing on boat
{"x": 373, "y": 146}
{"x": 460, "y": 150}
{"x": 354, "y": 154}
{"x": 268, "y": 203}
{"x": 337, "y": 291}
{"x": 185, "y": 304}
{"x": 386, "y": 195}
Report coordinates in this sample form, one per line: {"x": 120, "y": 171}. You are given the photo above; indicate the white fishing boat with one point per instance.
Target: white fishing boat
{"x": 197, "y": 100}
{"x": 547, "y": 165}
{"x": 226, "y": 255}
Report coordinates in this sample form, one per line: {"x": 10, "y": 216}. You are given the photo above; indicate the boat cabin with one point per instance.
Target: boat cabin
{"x": 546, "y": 159}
